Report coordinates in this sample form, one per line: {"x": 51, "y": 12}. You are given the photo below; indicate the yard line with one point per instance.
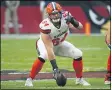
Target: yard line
{"x": 92, "y": 48}
{"x": 15, "y": 63}
{"x": 86, "y": 69}
{"x": 18, "y": 63}
{"x": 33, "y": 36}
{"x": 36, "y": 80}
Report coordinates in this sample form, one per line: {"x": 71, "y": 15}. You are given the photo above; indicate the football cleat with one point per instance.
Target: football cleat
{"x": 107, "y": 79}
{"x": 29, "y": 82}
{"x": 81, "y": 81}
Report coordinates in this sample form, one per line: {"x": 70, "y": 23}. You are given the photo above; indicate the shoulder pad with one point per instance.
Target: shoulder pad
{"x": 45, "y": 26}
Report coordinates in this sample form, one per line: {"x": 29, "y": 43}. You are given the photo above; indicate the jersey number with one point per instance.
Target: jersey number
{"x": 45, "y": 23}
{"x": 56, "y": 41}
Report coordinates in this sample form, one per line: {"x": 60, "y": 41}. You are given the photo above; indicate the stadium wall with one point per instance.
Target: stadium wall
{"x": 93, "y": 17}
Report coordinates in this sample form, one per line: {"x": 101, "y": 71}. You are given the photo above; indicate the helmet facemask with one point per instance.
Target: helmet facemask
{"x": 55, "y": 16}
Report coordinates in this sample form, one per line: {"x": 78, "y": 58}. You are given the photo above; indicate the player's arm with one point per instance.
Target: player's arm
{"x": 108, "y": 36}
{"x": 49, "y": 45}
{"x": 17, "y": 4}
{"x": 8, "y": 4}
{"x": 42, "y": 5}
{"x": 74, "y": 22}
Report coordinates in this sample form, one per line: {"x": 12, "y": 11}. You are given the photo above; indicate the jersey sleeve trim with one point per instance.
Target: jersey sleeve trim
{"x": 47, "y": 31}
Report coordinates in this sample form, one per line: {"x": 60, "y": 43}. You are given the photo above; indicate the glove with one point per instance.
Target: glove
{"x": 72, "y": 20}
{"x": 59, "y": 77}
{"x": 68, "y": 18}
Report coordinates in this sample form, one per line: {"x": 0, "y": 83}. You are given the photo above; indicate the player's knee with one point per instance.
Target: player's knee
{"x": 78, "y": 59}
{"x": 41, "y": 59}
{"x": 78, "y": 54}
{"x": 44, "y": 56}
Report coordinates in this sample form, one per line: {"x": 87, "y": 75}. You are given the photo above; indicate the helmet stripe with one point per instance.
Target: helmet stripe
{"x": 54, "y": 5}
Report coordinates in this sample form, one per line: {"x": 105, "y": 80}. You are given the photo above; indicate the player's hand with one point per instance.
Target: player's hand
{"x": 59, "y": 77}
{"x": 68, "y": 19}
{"x": 56, "y": 73}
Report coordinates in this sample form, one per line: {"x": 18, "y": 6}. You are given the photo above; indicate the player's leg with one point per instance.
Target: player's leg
{"x": 108, "y": 75}
{"x": 38, "y": 63}
{"x": 66, "y": 49}
{"x": 7, "y": 20}
{"x": 15, "y": 21}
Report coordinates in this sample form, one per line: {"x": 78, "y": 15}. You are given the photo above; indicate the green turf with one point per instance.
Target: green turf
{"x": 51, "y": 84}
{"x": 19, "y": 54}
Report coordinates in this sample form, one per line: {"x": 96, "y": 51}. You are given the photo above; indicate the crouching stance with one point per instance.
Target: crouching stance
{"x": 54, "y": 31}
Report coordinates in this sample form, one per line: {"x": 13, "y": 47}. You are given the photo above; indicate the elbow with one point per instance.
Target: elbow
{"x": 80, "y": 26}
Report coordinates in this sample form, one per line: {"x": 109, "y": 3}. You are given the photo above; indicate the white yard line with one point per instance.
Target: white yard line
{"x": 21, "y": 36}
{"x": 34, "y": 36}
{"x": 37, "y": 80}
{"x": 86, "y": 69}
{"x": 92, "y": 48}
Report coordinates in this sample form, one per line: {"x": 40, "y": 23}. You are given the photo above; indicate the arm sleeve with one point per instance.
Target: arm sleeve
{"x": 74, "y": 22}
{"x": 70, "y": 19}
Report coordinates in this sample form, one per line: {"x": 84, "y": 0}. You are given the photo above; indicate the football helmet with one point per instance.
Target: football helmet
{"x": 53, "y": 10}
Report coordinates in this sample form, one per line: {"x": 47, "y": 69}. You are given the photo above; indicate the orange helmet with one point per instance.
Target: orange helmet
{"x": 53, "y": 7}
{"x": 53, "y": 10}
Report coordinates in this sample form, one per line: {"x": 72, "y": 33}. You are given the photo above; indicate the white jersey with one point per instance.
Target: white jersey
{"x": 57, "y": 35}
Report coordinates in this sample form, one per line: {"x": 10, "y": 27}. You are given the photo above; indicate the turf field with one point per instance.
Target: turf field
{"x": 19, "y": 54}
{"x": 45, "y": 84}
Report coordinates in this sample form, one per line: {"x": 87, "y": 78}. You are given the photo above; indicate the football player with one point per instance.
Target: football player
{"x": 53, "y": 33}
{"x": 108, "y": 75}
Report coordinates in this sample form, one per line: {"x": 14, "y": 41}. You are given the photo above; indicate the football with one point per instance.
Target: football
{"x": 61, "y": 80}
